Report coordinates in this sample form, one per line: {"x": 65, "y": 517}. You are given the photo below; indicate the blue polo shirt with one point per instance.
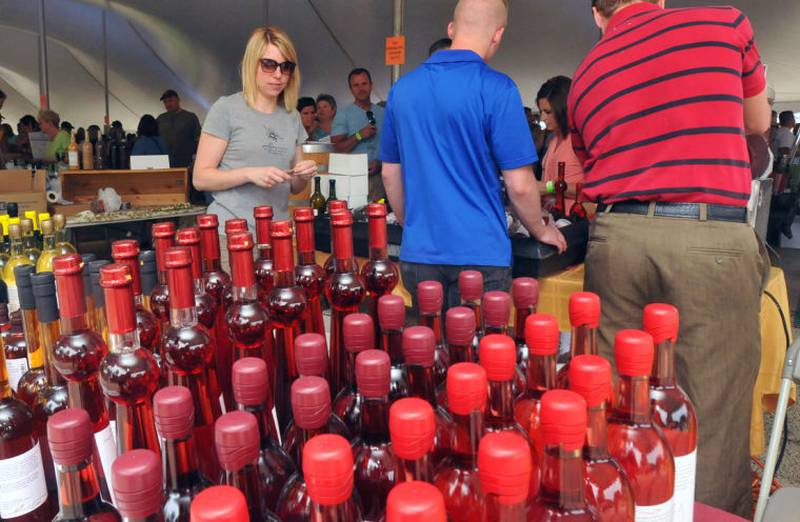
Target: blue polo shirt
{"x": 453, "y": 123}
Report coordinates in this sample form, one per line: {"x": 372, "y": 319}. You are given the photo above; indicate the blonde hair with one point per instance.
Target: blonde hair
{"x": 50, "y": 117}
{"x": 259, "y": 40}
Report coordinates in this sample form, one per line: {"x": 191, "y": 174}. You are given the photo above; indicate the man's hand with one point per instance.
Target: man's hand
{"x": 551, "y": 235}
{"x": 305, "y": 169}
{"x": 268, "y": 177}
{"x": 367, "y": 132}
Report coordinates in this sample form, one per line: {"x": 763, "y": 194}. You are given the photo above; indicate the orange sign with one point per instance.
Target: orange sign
{"x": 395, "y": 50}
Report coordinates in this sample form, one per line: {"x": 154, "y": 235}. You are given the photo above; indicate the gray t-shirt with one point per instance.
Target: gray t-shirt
{"x": 255, "y": 139}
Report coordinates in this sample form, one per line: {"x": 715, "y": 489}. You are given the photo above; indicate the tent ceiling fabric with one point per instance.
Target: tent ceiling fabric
{"x": 194, "y": 46}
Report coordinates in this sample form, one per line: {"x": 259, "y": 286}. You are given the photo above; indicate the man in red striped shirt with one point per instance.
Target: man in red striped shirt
{"x": 659, "y": 111}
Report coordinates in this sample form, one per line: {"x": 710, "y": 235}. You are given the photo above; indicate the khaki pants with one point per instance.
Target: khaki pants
{"x": 713, "y": 272}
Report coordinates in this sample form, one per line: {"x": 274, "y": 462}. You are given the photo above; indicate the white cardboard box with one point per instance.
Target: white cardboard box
{"x": 346, "y": 186}
{"x": 348, "y": 165}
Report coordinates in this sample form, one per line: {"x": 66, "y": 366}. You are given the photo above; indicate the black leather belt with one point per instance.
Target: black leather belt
{"x": 678, "y": 210}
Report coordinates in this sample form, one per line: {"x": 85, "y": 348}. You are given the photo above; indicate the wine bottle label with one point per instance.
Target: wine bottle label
{"x": 73, "y": 158}
{"x": 106, "y": 442}
{"x": 16, "y": 369}
{"x": 684, "y": 486}
{"x": 13, "y": 298}
{"x": 656, "y": 513}
{"x": 22, "y": 484}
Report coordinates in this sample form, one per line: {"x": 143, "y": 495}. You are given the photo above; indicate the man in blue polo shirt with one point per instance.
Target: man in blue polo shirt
{"x": 451, "y": 127}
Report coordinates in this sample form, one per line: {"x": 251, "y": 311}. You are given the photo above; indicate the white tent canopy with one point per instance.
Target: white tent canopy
{"x": 195, "y": 46}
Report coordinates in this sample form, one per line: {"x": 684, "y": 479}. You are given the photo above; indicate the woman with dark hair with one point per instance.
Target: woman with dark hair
{"x": 307, "y": 108}
{"x": 148, "y": 142}
{"x": 326, "y": 112}
{"x": 552, "y": 102}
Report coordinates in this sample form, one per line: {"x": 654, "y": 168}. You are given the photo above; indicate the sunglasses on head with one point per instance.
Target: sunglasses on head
{"x": 269, "y": 66}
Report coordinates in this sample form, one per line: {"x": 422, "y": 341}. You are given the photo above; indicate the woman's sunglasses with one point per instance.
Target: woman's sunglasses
{"x": 269, "y": 66}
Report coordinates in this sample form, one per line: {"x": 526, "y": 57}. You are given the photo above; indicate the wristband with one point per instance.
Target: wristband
{"x": 550, "y": 187}
{"x": 359, "y": 138}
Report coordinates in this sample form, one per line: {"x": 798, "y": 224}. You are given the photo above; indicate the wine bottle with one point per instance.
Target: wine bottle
{"x": 504, "y": 470}
{"x": 328, "y": 468}
{"x": 138, "y": 486}
{"x": 584, "y": 316}
{"x": 415, "y": 502}
{"x": 412, "y": 427}
{"x": 317, "y": 200}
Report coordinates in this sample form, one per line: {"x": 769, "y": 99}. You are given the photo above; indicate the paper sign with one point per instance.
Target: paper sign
{"x": 395, "y": 50}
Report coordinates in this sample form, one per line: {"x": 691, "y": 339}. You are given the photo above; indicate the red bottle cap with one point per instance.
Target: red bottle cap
{"x": 219, "y": 504}
{"x": 304, "y": 229}
{"x": 430, "y": 297}
{"x": 391, "y": 312}
{"x": 584, "y": 309}
{"x": 419, "y": 344}
{"x": 466, "y": 388}
{"x": 237, "y": 440}
{"x": 498, "y": 356}
{"x": 207, "y": 221}
{"x": 415, "y": 501}
{"x": 120, "y": 312}
{"x": 70, "y": 435}
{"x": 412, "y": 427}
{"x": 343, "y": 218}
{"x": 178, "y": 257}
{"x": 541, "y": 334}
{"x": 504, "y": 466}
{"x": 525, "y": 292}
{"x": 283, "y": 253}
{"x": 661, "y": 321}
{"x": 376, "y": 214}
{"x": 311, "y": 354}
{"x": 328, "y": 469}
{"x": 124, "y": 249}
{"x": 304, "y": 214}
{"x": 189, "y": 237}
{"x": 68, "y": 270}
{"x": 590, "y": 376}
{"x": 311, "y": 402}
{"x": 376, "y": 210}
{"x": 178, "y": 262}
{"x": 633, "y": 353}
{"x": 460, "y": 326}
{"x": 164, "y": 230}
{"x": 358, "y": 332}
{"x": 263, "y": 212}
{"x": 138, "y": 484}
{"x": 282, "y": 229}
{"x": 470, "y": 285}
{"x": 235, "y": 225}
{"x": 126, "y": 252}
{"x": 240, "y": 245}
{"x": 173, "y": 410}
{"x": 335, "y": 205}
{"x": 250, "y": 381}
{"x": 496, "y": 307}
{"x": 373, "y": 373}
{"x": 563, "y": 419}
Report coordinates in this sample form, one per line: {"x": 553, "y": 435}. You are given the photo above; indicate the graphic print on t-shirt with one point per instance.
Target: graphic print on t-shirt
{"x": 276, "y": 144}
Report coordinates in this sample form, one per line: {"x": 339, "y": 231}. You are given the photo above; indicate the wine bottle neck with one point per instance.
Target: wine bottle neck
{"x": 501, "y": 401}
{"x": 520, "y": 316}
{"x": 541, "y": 373}
{"x": 562, "y": 478}
{"x": 78, "y": 489}
{"x": 183, "y": 317}
{"x": 466, "y": 436}
{"x": 633, "y": 399}
{"x": 420, "y": 469}
{"x": 31, "y": 331}
{"x": 421, "y": 383}
{"x": 246, "y": 480}
{"x": 180, "y": 464}
{"x": 664, "y": 365}
{"x": 264, "y": 423}
{"x": 123, "y": 342}
{"x": 304, "y": 231}
{"x": 597, "y": 433}
{"x": 497, "y": 509}
{"x": 584, "y": 341}
{"x": 48, "y": 334}
{"x": 434, "y": 322}
{"x": 375, "y": 420}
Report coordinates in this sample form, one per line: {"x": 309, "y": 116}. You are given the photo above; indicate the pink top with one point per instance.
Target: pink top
{"x": 560, "y": 149}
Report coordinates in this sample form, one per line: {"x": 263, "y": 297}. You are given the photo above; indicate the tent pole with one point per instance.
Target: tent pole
{"x": 107, "y": 120}
{"x": 398, "y": 31}
{"x": 44, "y": 82}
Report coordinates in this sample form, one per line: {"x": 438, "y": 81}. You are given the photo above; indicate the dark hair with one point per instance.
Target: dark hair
{"x": 306, "y": 101}
{"x": 6, "y": 127}
{"x": 608, "y": 7}
{"x": 67, "y": 126}
{"x": 80, "y": 135}
{"x": 29, "y": 121}
{"x": 3, "y": 97}
{"x": 148, "y": 126}
{"x": 327, "y": 98}
{"x": 786, "y": 118}
{"x": 356, "y": 72}
{"x": 440, "y": 45}
{"x": 93, "y": 127}
{"x": 116, "y": 124}
{"x": 555, "y": 91}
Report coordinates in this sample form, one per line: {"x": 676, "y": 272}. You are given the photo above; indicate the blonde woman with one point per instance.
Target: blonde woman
{"x": 250, "y": 148}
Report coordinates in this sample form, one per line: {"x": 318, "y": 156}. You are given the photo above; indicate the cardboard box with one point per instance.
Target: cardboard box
{"x": 24, "y": 187}
{"x": 348, "y": 164}
{"x": 346, "y": 186}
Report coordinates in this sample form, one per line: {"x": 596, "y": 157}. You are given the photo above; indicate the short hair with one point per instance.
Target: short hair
{"x": 260, "y": 38}
{"x": 7, "y": 128}
{"x": 356, "y": 72}
{"x": 440, "y": 45}
{"x": 29, "y": 121}
{"x": 116, "y": 124}
{"x": 148, "y": 126}
{"x": 93, "y": 127}
{"x": 50, "y": 116}
{"x": 306, "y": 101}
{"x": 327, "y": 98}
{"x": 786, "y": 118}
{"x": 608, "y": 7}
{"x": 67, "y": 126}
{"x": 555, "y": 91}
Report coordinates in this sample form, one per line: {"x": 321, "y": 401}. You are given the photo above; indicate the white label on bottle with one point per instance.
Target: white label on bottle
{"x": 657, "y": 513}
{"x": 107, "y": 450}
{"x": 16, "y": 369}
{"x": 22, "y": 484}
{"x": 13, "y": 298}
{"x": 684, "y": 487}
{"x": 73, "y": 158}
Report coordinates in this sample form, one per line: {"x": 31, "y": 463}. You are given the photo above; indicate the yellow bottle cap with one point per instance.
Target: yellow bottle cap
{"x": 14, "y": 221}
{"x": 43, "y": 216}
{"x": 31, "y": 214}
{"x": 4, "y": 219}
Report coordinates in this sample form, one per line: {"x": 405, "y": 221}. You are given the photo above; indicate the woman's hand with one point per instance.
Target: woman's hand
{"x": 306, "y": 169}
{"x": 268, "y": 177}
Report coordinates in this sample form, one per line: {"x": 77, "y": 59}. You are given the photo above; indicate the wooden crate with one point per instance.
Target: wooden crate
{"x": 140, "y": 188}
{"x": 24, "y": 187}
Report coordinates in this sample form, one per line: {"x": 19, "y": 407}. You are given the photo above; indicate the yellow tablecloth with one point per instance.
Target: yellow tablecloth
{"x": 554, "y": 295}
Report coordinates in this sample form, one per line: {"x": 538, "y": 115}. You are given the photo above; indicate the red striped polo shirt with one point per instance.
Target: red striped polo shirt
{"x": 656, "y": 108}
